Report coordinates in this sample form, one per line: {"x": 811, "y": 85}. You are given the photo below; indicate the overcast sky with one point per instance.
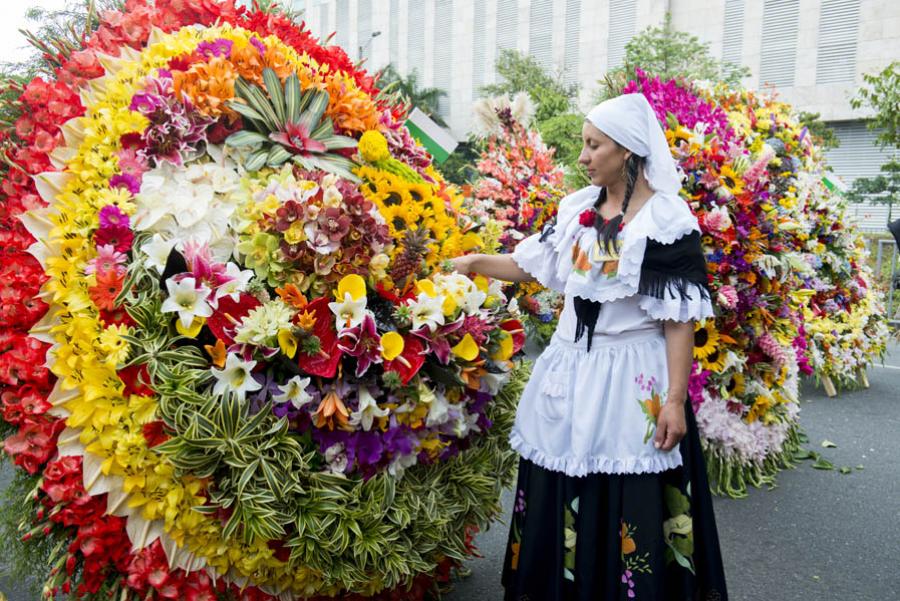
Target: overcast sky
{"x": 13, "y": 46}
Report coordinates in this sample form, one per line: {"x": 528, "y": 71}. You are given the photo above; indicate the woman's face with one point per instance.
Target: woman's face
{"x": 602, "y": 158}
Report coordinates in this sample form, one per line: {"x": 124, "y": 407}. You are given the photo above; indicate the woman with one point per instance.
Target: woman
{"x": 612, "y": 499}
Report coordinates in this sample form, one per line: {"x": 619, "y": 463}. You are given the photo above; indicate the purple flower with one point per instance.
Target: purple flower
{"x": 219, "y": 47}
{"x": 127, "y": 181}
{"x": 366, "y": 447}
{"x": 112, "y": 216}
{"x": 258, "y": 45}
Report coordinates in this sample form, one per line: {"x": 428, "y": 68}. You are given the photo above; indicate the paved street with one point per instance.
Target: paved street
{"x": 818, "y": 536}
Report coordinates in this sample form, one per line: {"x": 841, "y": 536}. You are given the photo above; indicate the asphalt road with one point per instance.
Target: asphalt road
{"x": 818, "y": 536}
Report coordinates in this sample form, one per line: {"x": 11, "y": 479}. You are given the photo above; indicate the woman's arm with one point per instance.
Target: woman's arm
{"x": 671, "y": 426}
{"x": 499, "y": 267}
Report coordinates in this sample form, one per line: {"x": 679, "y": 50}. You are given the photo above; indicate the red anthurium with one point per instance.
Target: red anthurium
{"x": 325, "y": 362}
{"x": 228, "y": 314}
{"x": 514, "y": 327}
{"x": 410, "y": 361}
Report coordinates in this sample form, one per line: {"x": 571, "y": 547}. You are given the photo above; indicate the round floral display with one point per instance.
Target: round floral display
{"x": 262, "y": 369}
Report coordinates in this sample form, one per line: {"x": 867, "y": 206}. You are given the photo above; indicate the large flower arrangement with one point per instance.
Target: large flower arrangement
{"x": 753, "y": 179}
{"x": 518, "y": 190}
{"x": 230, "y": 354}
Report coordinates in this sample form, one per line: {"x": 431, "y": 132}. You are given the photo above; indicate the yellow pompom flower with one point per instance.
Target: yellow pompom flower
{"x": 374, "y": 147}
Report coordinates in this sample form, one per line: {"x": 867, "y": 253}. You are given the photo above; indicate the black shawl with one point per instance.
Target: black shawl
{"x": 667, "y": 271}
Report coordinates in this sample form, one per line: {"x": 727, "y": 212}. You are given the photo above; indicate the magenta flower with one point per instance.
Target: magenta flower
{"x": 437, "y": 339}
{"x": 219, "y": 47}
{"x": 119, "y": 237}
{"x": 112, "y": 216}
{"x": 333, "y": 223}
{"x": 362, "y": 342}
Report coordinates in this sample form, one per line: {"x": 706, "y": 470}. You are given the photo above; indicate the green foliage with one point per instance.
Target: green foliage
{"x": 668, "y": 53}
{"x": 23, "y": 562}
{"x": 283, "y": 123}
{"x": 884, "y": 188}
{"x": 522, "y": 73}
{"x": 822, "y": 135}
{"x": 881, "y": 92}
{"x": 563, "y": 132}
{"x": 459, "y": 168}
{"x": 408, "y": 90}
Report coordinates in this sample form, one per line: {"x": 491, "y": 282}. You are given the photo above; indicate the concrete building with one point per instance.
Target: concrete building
{"x": 813, "y": 52}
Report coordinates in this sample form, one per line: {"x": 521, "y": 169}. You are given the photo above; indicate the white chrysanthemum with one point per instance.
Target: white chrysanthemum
{"x": 261, "y": 326}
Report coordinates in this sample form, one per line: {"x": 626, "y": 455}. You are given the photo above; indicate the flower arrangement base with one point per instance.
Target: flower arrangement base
{"x": 830, "y": 388}
{"x": 863, "y": 378}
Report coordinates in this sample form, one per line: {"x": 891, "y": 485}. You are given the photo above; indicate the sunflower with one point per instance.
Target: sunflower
{"x": 735, "y": 386}
{"x": 706, "y": 339}
{"x": 714, "y": 361}
{"x": 731, "y": 181}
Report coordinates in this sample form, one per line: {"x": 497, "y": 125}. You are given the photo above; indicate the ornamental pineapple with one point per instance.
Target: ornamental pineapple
{"x": 409, "y": 261}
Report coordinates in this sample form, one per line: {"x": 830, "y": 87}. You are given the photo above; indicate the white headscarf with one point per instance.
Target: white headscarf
{"x": 629, "y": 120}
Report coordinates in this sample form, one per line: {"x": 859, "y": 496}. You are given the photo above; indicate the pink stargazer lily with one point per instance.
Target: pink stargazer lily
{"x": 437, "y": 339}
{"x": 362, "y": 342}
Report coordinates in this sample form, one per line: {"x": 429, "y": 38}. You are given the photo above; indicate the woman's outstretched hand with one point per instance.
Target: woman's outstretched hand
{"x": 670, "y": 426}
{"x": 463, "y": 264}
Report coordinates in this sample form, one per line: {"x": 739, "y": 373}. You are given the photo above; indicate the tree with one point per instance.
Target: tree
{"x": 668, "y": 53}
{"x": 881, "y": 93}
{"x": 821, "y": 134}
{"x": 522, "y": 73}
{"x": 425, "y": 99}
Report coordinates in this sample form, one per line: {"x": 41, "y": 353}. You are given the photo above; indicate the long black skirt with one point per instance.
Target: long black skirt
{"x": 605, "y": 537}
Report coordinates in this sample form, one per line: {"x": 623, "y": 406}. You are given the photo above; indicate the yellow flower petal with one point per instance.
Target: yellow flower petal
{"x": 481, "y": 283}
{"x": 466, "y": 349}
{"x": 426, "y": 287}
{"x": 506, "y": 347}
{"x": 391, "y": 345}
{"x": 193, "y": 330}
{"x": 353, "y": 284}
{"x": 287, "y": 342}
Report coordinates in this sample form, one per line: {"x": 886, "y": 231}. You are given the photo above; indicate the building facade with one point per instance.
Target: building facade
{"x": 813, "y": 52}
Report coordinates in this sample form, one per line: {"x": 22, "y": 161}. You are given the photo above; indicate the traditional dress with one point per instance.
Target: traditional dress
{"x": 600, "y": 513}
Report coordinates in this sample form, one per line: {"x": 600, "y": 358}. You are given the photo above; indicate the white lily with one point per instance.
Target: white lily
{"x": 235, "y": 377}
{"x": 349, "y": 312}
{"x": 157, "y": 251}
{"x": 186, "y": 299}
{"x": 427, "y": 311}
{"x": 294, "y": 392}
{"x": 239, "y": 282}
{"x": 368, "y": 410}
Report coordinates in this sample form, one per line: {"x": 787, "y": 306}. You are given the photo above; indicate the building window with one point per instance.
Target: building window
{"x": 779, "y": 42}
{"x": 507, "y": 24}
{"x": 838, "y": 37}
{"x": 443, "y": 53}
{"x": 733, "y": 37}
{"x": 415, "y": 53}
{"x": 573, "y": 28}
{"x": 479, "y": 50}
{"x": 342, "y": 16}
{"x": 540, "y": 39}
{"x": 622, "y": 16}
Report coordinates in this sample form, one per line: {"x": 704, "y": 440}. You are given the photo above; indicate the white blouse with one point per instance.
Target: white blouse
{"x": 583, "y": 411}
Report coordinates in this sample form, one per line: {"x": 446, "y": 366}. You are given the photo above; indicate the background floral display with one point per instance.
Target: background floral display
{"x": 794, "y": 295}
{"x": 517, "y": 191}
{"x": 233, "y": 366}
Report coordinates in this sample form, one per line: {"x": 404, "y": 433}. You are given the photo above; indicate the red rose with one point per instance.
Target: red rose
{"x": 588, "y": 217}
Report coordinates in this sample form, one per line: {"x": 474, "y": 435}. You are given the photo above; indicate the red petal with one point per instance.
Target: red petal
{"x": 413, "y": 352}
{"x": 326, "y": 362}
{"x": 514, "y": 327}
{"x": 221, "y": 326}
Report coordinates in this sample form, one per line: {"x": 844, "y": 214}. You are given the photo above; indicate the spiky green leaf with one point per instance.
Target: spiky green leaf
{"x": 276, "y": 94}
{"x": 246, "y": 138}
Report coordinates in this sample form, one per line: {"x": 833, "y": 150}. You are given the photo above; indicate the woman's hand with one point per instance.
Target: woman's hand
{"x": 463, "y": 264}
{"x": 670, "y": 426}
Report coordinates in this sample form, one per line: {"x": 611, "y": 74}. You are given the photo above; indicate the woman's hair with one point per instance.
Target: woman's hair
{"x": 587, "y": 311}
{"x": 608, "y": 231}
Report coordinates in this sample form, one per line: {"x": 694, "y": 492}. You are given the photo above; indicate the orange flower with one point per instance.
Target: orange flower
{"x": 580, "y": 259}
{"x": 331, "y": 409}
{"x": 217, "y": 353}
{"x": 292, "y": 296}
{"x": 108, "y": 287}
{"x": 628, "y": 545}
{"x": 248, "y": 63}
{"x": 209, "y": 86}
{"x": 307, "y": 320}
{"x": 350, "y": 108}
{"x": 653, "y": 405}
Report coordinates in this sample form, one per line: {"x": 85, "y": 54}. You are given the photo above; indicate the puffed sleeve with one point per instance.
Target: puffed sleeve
{"x": 673, "y": 282}
{"x": 538, "y": 255}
